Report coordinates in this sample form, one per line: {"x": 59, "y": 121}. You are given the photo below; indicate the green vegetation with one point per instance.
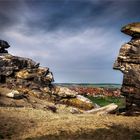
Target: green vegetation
{"x": 94, "y": 85}
{"x": 102, "y": 101}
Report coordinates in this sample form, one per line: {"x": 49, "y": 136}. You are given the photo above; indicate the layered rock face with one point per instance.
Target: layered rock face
{"x": 23, "y": 77}
{"x": 19, "y": 72}
{"x": 128, "y": 62}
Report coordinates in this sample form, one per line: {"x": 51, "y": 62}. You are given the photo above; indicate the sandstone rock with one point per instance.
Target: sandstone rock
{"x": 35, "y": 93}
{"x": 43, "y": 71}
{"x": 24, "y": 74}
{"x": 75, "y": 111}
{"x": 132, "y": 29}
{"x": 111, "y": 108}
{"x": 10, "y": 64}
{"x": 65, "y": 92}
{"x": 37, "y": 75}
{"x": 108, "y": 109}
{"x": 14, "y": 68}
{"x": 80, "y": 102}
{"x": 128, "y": 62}
{"x": 84, "y": 99}
{"x": 15, "y": 94}
{"x": 46, "y": 90}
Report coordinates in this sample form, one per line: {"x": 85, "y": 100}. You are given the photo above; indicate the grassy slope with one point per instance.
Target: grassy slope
{"x": 25, "y": 123}
{"x": 102, "y": 101}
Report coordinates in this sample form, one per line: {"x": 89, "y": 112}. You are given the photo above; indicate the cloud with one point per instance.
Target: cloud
{"x": 67, "y": 53}
{"x": 10, "y": 14}
{"x": 66, "y": 14}
{"x": 48, "y": 16}
{"x": 78, "y": 40}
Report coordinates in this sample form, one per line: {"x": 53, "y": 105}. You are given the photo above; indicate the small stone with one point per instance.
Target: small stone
{"x": 52, "y": 108}
{"x": 75, "y": 111}
{"x": 15, "y": 94}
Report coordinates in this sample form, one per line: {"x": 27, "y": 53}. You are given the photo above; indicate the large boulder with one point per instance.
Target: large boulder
{"x": 79, "y": 101}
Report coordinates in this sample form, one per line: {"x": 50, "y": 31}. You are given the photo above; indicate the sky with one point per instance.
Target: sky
{"x": 78, "y": 40}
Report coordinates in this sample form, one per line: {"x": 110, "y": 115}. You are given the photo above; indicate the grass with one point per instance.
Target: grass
{"x": 102, "y": 101}
{"x": 35, "y": 124}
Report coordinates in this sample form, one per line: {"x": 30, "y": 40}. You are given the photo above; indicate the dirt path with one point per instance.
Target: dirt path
{"x": 25, "y": 123}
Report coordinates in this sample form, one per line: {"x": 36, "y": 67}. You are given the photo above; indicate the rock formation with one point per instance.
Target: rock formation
{"x": 3, "y": 45}
{"x": 23, "y": 81}
{"x": 128, "y": 62}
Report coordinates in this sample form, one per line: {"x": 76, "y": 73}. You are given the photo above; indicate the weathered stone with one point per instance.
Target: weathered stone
{"x": 79, "y": 102}
{"x": 49, "y": 77}
{"x": 15, "y": 94}
{"x": 25, "y": 69}
{"x": 111, "y": 108}
{"x": 135, "y": 42}
{"x": 129, "y": 53}
{"x": 9, "y": 64}
{"x": 128, "y": 62}
{"x": 65, "y": 92}
{"x": 24, "y": 74}
{"x": 43, "y": 71}
{"x": 4, "y": 45}
{"x": 46, "y": 89}
{"x": 132, "y": 29}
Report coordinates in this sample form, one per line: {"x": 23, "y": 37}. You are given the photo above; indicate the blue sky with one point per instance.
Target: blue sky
{"x": 78, "y": 40}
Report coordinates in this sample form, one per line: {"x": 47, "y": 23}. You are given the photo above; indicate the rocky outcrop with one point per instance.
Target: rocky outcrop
{"x": 24, "y": 80}
{"x": 3, "y": 45}
{"x": 128, "y": 62}
{"x": 23, "y": 72}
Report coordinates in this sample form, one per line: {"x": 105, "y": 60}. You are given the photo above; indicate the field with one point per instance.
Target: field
{"x": 97, "y": 85}
{"x": 102, "y": 101}
{"x": 102, "y": 94}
